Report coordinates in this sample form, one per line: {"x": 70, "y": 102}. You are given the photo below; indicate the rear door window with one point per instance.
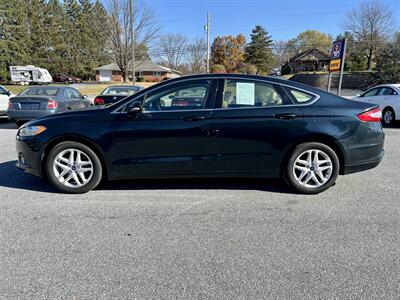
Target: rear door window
{"x": 246, "y": 93}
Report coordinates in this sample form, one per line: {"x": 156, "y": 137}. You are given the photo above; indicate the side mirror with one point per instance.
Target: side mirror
{"x": 8, "y": 93}
{"x": 134, "y": 109}
{"x": 85, "y": 97}
{"x": 358, "y": 95}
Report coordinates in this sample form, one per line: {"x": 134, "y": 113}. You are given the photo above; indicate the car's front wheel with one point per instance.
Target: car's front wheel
{"x": 312, "y": 168}
{"x": 73, "y": 168}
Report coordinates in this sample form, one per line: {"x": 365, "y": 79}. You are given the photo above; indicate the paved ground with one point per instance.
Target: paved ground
{"x": 200, "y": 239}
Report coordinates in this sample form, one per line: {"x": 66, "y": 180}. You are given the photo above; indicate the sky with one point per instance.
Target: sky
{"x": 283, "y": 19}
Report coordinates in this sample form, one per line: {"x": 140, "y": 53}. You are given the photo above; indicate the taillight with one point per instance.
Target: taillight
{"x": 373, "y": 115}
{"x": 52, "y": 104}
{"x": 98, "y": 101}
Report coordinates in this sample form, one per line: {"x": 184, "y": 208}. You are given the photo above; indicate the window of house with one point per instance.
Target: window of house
{"x": 157, "y": 74}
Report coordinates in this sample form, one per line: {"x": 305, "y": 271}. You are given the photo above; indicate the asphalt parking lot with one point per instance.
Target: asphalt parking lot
{"x": 200, "y": 239}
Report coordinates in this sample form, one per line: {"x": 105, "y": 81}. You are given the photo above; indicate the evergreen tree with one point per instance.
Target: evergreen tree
{"x": 259, "y": 52}
{"x": 14, "y": 35}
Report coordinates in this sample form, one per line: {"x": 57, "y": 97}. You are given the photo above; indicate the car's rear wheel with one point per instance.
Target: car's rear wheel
{"x": 73, "y": 168}
{"x": 388, "y": 116}
{"x": 312, "y": 168}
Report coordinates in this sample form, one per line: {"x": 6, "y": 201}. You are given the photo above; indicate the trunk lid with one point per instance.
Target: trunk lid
{"x": 29, "y": 103}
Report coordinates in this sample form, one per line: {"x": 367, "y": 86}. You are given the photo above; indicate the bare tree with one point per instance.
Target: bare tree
{"x": 145, "y": 27}
{"x": 171, "y": 49}
{"x": 370, "y": 24}
{"x": 196, "y": 55}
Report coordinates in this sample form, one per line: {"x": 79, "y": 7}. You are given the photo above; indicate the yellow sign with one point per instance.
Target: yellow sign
{"x": 334, "y": 65}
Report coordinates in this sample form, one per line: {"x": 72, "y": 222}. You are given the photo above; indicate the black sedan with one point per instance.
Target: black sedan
{"x": 211, "y": 125}
{"x": 37, "y": 101}
{"x": 115, "y": 93}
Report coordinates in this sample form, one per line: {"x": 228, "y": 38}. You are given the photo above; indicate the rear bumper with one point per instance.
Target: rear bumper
{"x": 348, "y": 169}
{"x": 363, "y": 150}
{"x": 27, "y": 115}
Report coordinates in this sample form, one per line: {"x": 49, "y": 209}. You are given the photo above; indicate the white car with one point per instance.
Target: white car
{"x": 4, "y": 96}
{"x": 387, "y": 96}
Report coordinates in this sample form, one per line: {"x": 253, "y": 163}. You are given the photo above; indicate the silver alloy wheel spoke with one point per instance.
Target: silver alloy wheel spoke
{"x": 73, "y": 168}
{"x": 312, "y": 168}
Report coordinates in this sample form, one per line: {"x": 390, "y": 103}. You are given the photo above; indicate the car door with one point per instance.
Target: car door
{"x": 4, "y": 96}
{"x": 254, "y": 121}
{"x": 79, "y": 100}
{"x": 390, "y": 98}
{"x": 167, "y": 137}
{"x": 68, "y": 99}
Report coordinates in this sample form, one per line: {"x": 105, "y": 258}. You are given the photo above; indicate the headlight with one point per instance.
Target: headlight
{"x": 31, "y": 130}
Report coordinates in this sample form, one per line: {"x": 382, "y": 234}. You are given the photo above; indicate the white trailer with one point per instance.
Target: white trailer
{"x": 29, "y": 74}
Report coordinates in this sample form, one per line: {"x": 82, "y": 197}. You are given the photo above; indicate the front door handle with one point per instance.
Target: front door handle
{"x": 193, "y": 118}
{"x": 210, "y": 132}
{"x": 285, "y": 116}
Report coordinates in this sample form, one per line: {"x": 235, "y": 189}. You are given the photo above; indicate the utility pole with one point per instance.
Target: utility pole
{"x": 208, "y": 41}
{"x": 132, "y": 20}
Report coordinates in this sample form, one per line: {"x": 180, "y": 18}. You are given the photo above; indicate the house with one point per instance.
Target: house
{"x": 310, "y": 60}
{"x": 147, "y": 69}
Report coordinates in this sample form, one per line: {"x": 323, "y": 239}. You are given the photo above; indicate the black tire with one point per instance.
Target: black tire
{"x": 97, "y": 168}
{"x": 288, "y": 168}
{"x": 385, "y": 119}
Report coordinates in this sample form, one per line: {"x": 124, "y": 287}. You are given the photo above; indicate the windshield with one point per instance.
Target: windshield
{"x": 40, "y": 91}
{"x": 121, "y": 90}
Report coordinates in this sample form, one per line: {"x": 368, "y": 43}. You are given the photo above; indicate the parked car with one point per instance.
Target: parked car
{"x": 62, "y": 78}
{"x": 115, "y": 93}
{"x": 4, "y": 97}
{"x": 387, "y": 96}
{"x": 37, "y": 101}
{"x": 247, "y": 126}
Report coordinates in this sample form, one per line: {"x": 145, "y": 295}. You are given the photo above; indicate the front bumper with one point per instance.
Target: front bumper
{"x": 30, "y": 154}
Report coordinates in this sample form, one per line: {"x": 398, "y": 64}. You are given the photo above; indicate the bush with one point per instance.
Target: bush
{"x": 248, "y": 69}
{"x": 217, "y": 69}
{"x": 140, "y": 79}
{"x": 286, "y": 70}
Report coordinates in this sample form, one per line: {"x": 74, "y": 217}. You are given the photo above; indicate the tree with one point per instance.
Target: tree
{"x": 370, "y": 24}
{"x": 388, "y": 62}
{"x": 228, "y": 51}
{"x": 196, "y": 56}
{"x": 217, "y": 69}
{"x": 145, "y": 29}
{"x": 310, "y": 39}
{"x": 14, "y": 35}
{"x": 171, "y": 50}
{"x": 259, "y": 52}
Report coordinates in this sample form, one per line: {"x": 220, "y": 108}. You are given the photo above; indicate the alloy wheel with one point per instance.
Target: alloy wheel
{"x": 388, "y": 117}
{"x": 312, "y": 168}
{"x": 73, "y": 168}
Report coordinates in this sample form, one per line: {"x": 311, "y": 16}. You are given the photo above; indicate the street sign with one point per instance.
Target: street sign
{"x": 337, "y": 56}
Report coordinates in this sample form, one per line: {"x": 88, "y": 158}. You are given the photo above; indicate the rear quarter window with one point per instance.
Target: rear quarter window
{"x": 300, "y": 97}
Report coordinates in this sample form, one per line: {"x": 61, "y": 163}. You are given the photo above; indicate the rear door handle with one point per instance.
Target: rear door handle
{"x": 285, "y": 116}
{"x": 193, "y": 118}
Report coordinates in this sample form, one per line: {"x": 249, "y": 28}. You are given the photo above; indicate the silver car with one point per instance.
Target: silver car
{"x": 39, "y": 101}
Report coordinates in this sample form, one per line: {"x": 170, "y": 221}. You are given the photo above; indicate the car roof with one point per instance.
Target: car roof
{"x": 250, "y": 77}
